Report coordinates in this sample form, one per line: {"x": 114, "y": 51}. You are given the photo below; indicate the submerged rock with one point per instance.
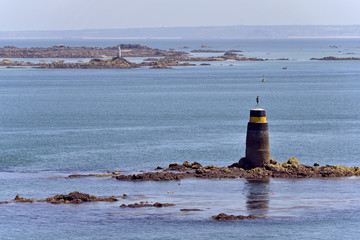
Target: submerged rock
{"x": 190, "y": 210}
{"x": 225, "y": 217}
{"x": 92, "y": 175}
{"x": 139, "y": 205}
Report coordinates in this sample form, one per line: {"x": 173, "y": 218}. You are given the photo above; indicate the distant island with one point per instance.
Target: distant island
{"x": 62, "y": 51}
{"x": 332, "y": 58}
{"x": 109, "y": 58}
{"x": 211, "y": 32}
{"x": 105, "y": 58}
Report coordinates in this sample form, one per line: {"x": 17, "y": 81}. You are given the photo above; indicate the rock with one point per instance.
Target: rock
{"x": 186, "y": 164}
{"x": 195, "y": 165}
{"x": 316, "y": 165}
{"x": 77, "y": 198}
{"x": 176, "y": 167}
{"x": 139, "y": 205}
{"x": 225, "y": 217}
{"x": 190, "y": 209}
{"x": 20, "y": 199}
{"x": 272, "y": 161}
{"x": 230, "y": 54}
{"x": 89, "y": 175}
{"x": 292, "y": 162}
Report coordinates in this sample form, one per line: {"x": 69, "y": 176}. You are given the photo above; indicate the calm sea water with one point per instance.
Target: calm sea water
{"x": 59, "y": 122}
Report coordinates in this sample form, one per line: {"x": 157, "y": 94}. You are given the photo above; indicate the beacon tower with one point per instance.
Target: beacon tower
{"x": 257, "y": 139}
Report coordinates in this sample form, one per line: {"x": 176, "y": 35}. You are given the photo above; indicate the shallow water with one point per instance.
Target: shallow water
{"x": 59, "y": 122}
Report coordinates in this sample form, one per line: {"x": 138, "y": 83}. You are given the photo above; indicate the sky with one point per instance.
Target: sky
{"x": 27, "y": 15}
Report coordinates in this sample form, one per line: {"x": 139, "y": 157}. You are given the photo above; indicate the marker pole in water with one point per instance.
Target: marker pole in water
{"x": 257, "y": 139}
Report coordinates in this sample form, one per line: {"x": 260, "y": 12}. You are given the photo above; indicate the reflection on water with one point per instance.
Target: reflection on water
{"x": 258, "y": 198}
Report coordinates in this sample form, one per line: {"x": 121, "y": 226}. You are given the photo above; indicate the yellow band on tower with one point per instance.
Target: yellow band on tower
{"x": 258, "y": 119}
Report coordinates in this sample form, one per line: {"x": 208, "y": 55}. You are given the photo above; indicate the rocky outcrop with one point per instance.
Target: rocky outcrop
{"x": 114, "y": 63}
{"x": 332, "y": 58}
{"x": 225, "y": 217}
{"x": 77, "y": 198}
{"x": 228, "y": 56}
{"x": 20, "y": 199}
{"x": 289, "y": 169}
{"x": 164, "y": 63}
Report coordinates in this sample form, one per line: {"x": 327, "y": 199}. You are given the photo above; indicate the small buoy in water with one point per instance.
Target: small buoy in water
{"x": 179, "y": 183}
{"x": 263, "y": 79}
{"x": 168, "y": 192}
{"x": 172, "y": 192}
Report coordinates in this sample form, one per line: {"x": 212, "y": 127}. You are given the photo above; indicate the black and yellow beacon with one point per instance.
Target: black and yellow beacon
{"x": 257, "y": 138}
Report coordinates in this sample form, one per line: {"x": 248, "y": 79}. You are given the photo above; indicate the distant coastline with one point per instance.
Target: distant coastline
{"x": 209, "y": 32}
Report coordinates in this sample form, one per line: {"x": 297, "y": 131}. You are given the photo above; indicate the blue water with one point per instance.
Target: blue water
{"x": 59, "y": 122}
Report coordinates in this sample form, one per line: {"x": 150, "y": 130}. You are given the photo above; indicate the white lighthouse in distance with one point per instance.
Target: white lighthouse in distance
{"x": 119, "y": 52}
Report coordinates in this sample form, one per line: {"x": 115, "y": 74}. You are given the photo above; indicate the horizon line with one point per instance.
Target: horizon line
{"x": 214, "y": 26}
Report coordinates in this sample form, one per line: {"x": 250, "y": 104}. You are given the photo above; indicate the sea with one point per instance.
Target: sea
{"x": 57, "y": 122}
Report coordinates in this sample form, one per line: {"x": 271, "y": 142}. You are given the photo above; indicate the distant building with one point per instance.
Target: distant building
{"x": 119, "y": 52}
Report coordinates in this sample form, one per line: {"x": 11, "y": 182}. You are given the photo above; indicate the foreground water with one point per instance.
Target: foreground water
{"x": 59, "y": 122}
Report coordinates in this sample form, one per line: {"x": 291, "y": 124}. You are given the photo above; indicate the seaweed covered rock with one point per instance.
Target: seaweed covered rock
{"x": 20, "y": 199}
{"x": 77, "y": 198}
{"x": 152, "y": 176}
{"x": 289, "y": 169}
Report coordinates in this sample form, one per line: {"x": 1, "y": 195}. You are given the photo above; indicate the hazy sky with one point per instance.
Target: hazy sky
{"x": 93, "y": 14}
